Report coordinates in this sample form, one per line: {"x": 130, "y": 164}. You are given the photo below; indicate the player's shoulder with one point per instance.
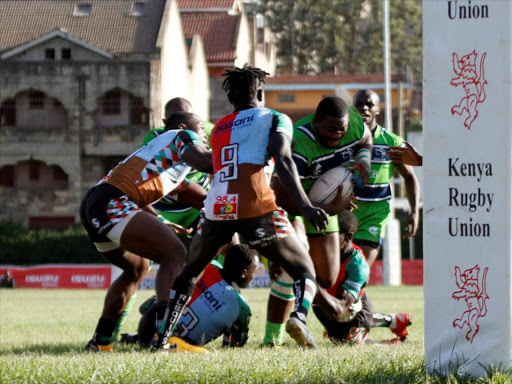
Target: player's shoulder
{"x": 303, "y": 129}
{"x": 390, "y": 137}
{"x": 355, "y": 121}
{"x": 358, "y": 259}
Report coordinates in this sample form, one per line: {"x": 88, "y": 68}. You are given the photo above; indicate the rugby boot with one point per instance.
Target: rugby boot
{"x": 300, "y": 333}
{"x": 92, "y": 346}
{"x": 177, "y": 344}
{"x": 400, "y": 323}
{"x": 129, "y": 338}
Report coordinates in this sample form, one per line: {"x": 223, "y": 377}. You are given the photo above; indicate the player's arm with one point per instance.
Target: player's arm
{"x": 192, "y": 151}
{"x": 363, "y": 156}
{"x": 412, "y": 189}
{"x": 279, "y": 149}
{"x": 238, "y": 333}
{"x": 176, "y": 227}
{"x": 336, "y": 309}
{"x": 407, "y": 155}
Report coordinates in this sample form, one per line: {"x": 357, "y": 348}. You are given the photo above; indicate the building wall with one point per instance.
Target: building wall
{"x": 174, "y": 70}
{"x": 38, "y": 53}
{"x": 52, "y": 136}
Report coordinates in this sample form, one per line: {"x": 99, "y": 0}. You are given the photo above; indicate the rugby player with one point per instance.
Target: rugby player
{"x": 331, "y": 137}
{"x": 240, "y": 200}
{"x": 180, "y": 216}
{"x": 216, "y": 307}
{"x": 344, "y": 309}
{"x": 373, "y": 209}
{"x": 113, "y": 214}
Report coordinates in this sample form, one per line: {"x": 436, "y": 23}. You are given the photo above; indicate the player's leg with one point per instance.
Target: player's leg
{"x": 280, "y": 303}
{"x": 370, "y": 249}
{"x": 209, "y": 237}
{"x": 288, "y": 252}
{"x": 372, "y": 218}
{"x": 396, "y": 322}
{"x": 281, "y": 296}
{"x": 118, "y": 295}
{"x": 324, "y": 251}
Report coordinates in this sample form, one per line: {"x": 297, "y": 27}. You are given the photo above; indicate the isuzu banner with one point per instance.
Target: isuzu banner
{"x": 60, "y": 275}
{"x": 467, "y": 125}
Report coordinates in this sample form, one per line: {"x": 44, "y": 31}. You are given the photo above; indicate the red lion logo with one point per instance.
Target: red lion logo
{"x": 473, "y": 83}
{"x": 474, "y": 294}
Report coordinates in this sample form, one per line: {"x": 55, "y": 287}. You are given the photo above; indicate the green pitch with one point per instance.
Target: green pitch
{"x": 43, "y": 334}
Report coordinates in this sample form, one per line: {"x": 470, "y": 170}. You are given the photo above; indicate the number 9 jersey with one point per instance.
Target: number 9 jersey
{"x": 239, "y": 145}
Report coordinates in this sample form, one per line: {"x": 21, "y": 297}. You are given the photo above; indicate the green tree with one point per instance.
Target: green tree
{"x": 316, "y": 36}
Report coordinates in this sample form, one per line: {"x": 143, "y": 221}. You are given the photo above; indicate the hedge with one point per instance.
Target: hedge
{"x": 19, "y": 246}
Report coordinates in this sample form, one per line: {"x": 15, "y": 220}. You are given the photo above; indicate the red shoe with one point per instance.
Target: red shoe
{"x": 395, "y": 341}
{"x": 400, "y": 323}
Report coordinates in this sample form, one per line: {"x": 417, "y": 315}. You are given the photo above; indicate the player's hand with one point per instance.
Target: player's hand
{"x": 339, "y": 203}
{"x": 411, "y": 227}
{"x": 316, "y": 216}
{"x": 405, "y": 155}
{"x": 363, "y": 169}
{"x": 179, "y": 229}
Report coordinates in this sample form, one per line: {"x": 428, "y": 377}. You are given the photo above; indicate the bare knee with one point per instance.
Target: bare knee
{"x": 137, "y": 271}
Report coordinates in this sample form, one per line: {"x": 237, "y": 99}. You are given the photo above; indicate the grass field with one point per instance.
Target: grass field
{"x": 43, "y": 333}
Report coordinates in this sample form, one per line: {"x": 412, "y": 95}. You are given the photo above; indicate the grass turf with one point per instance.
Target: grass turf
{"x": 43, "y": 334}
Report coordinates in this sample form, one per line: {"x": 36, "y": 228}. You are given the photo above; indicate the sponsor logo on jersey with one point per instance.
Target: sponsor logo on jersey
{"x": 95, "y": 222}
{"x": 373, "y": 231}
{"x": 260, "y": 232}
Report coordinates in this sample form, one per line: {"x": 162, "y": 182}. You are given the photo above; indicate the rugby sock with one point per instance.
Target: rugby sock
{"x": 122, "y": 319}
{"x": 305, "y": 290}
{"x": 103, "y": 332}
{"x": 273, "y": 333}
{"x": 181, "y": 291}
{"x": 381, "y": 320}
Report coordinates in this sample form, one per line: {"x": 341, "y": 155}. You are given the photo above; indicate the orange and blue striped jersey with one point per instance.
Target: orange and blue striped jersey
{"x": 155, "y": 169}
{"x": 239, "y": 144}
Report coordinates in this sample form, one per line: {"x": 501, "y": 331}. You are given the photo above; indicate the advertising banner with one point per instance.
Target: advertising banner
{"x": 467, "y": 126}
{"x": 60, "y": 276}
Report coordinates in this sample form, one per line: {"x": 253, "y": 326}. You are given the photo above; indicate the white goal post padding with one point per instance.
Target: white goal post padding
{"x": 467, "y": 125}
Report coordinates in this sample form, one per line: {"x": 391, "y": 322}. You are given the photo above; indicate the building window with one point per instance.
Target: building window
{"x": 111, "y": 104}
{"x": 286, "y": 98}
{"x": 137, "y": 111}
{"x": 66, "y": 53}
{"x": 33, "y": 170}
{"x": 36, "y": 100}
{"x": 59, "y": 174}
{"x": 8, "y": 113}
{"x": 82, "y": 9}
{"x": 137, "y": 9}
{"x": 49, "y": 54}
{"x": 7, "y": 176}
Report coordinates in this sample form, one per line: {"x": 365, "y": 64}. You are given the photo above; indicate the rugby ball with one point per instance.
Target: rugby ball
{"x": 324, "y": 188}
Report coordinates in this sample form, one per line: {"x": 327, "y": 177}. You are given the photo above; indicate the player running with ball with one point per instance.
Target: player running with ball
{"x": 240, "y": 200}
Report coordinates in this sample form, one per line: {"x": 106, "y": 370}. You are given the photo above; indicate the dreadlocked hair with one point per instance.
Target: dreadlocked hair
{"x": 243, "y": 83}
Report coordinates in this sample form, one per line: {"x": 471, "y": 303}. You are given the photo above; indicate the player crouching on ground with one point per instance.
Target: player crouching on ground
{"x": 344, "y": 309}
{"x": 216, "y": 307}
